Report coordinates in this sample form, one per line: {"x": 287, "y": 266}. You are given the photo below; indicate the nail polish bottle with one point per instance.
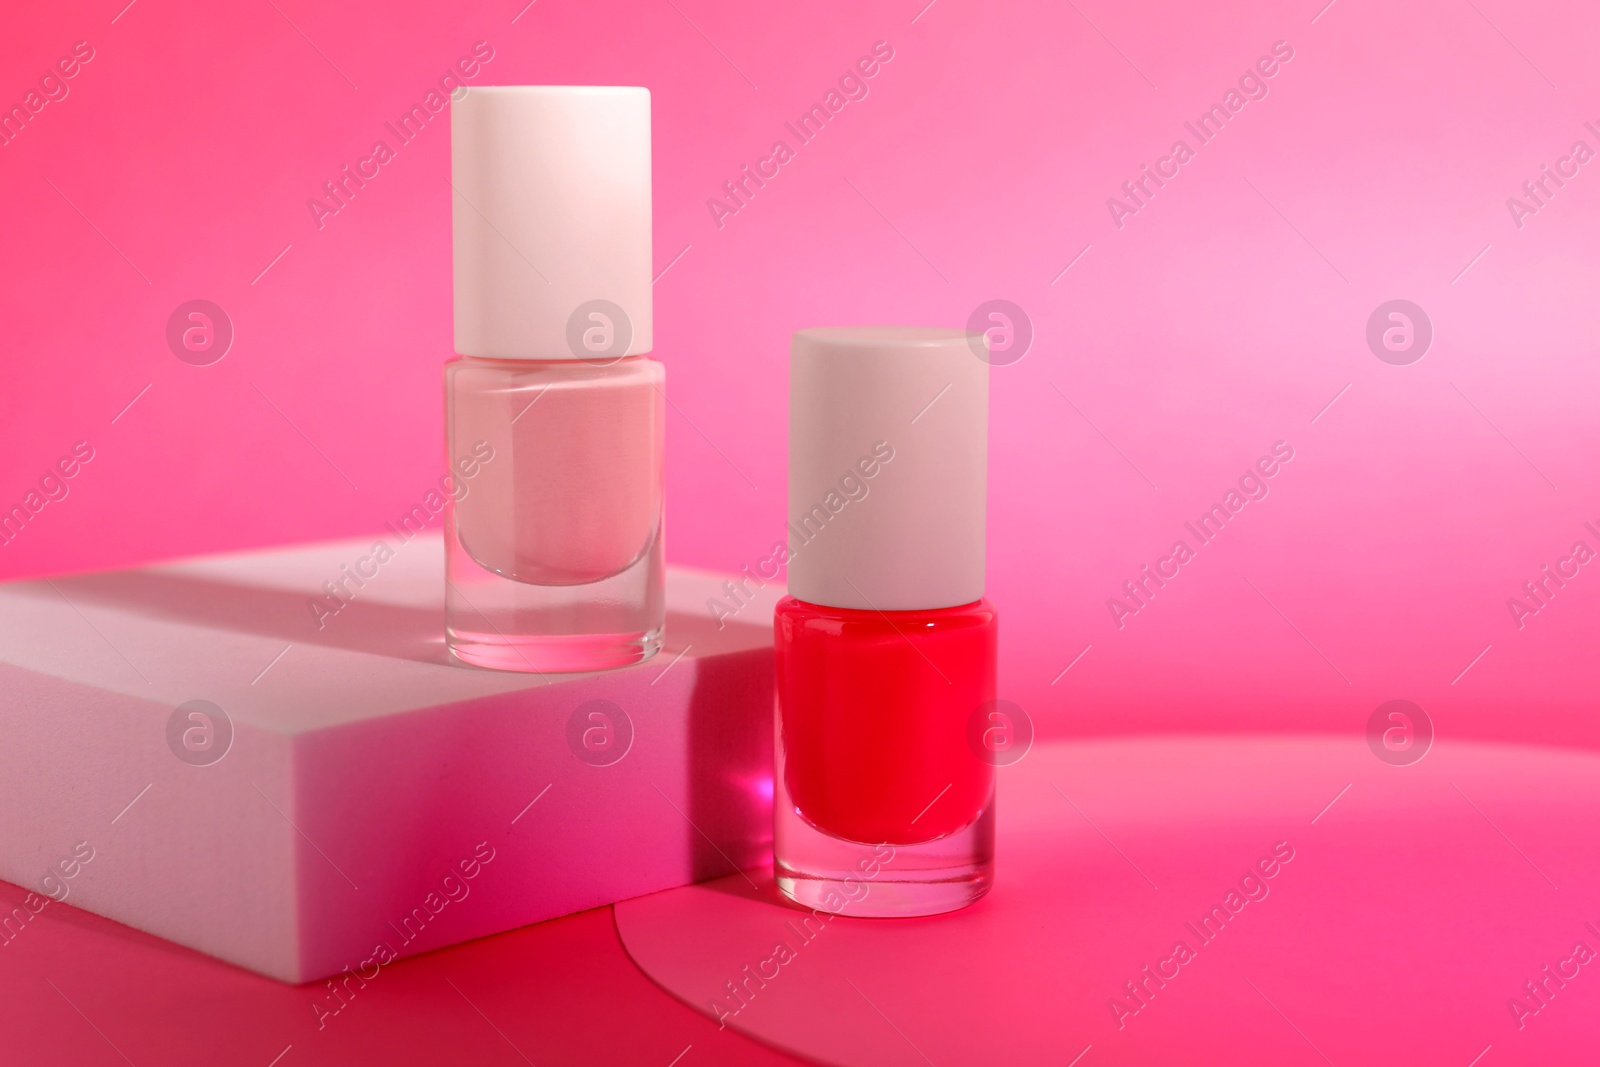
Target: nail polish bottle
{"x": 886, "y": 647}
{"x": 553, "y": 409}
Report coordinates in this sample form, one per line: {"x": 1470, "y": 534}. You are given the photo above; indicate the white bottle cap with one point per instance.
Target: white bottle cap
{"x": 888, "y": 462}
{"x": 551, "y": 206}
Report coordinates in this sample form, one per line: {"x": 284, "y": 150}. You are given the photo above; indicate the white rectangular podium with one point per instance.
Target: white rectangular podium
{"x": 373, "y": 798}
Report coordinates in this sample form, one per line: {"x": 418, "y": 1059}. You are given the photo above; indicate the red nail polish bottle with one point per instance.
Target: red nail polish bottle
{"x": 886, "y": 647}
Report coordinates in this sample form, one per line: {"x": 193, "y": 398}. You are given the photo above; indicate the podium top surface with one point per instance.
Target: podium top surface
{"x": 239, "y": 630}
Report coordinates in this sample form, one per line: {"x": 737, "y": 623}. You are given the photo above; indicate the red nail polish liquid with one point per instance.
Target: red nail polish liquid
{"x": 886, "y": 648}
{"x": 875, "y": 718}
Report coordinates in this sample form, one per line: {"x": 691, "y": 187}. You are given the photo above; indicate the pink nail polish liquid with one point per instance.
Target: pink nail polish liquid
{"x": 554, "y": 549}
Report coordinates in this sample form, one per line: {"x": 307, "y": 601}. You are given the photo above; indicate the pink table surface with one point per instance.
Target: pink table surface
{"x": 77, "y": 990}
{"x": 1418, "y": 902}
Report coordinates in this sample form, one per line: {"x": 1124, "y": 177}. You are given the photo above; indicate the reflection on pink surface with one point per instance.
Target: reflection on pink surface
{"x": 1182, "y": 900}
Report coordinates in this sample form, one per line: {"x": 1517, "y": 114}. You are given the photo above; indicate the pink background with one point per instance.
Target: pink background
{"x": 1220, "y": 319}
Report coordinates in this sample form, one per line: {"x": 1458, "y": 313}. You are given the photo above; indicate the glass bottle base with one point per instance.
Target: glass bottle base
{"x": 887, "y": 881}
{"x": 826, "y": 873}
{"x": 553, "y": 654}
{"x": 494, "y": 622}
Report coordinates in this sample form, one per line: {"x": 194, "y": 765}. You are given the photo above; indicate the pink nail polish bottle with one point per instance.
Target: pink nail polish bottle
{"x": 553, "y": 408}
{"x": 886, "y": 647}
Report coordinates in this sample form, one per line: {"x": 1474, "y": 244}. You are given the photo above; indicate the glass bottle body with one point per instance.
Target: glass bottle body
{"x": 880, "y": 800}
{"x": 553, "y": 536}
